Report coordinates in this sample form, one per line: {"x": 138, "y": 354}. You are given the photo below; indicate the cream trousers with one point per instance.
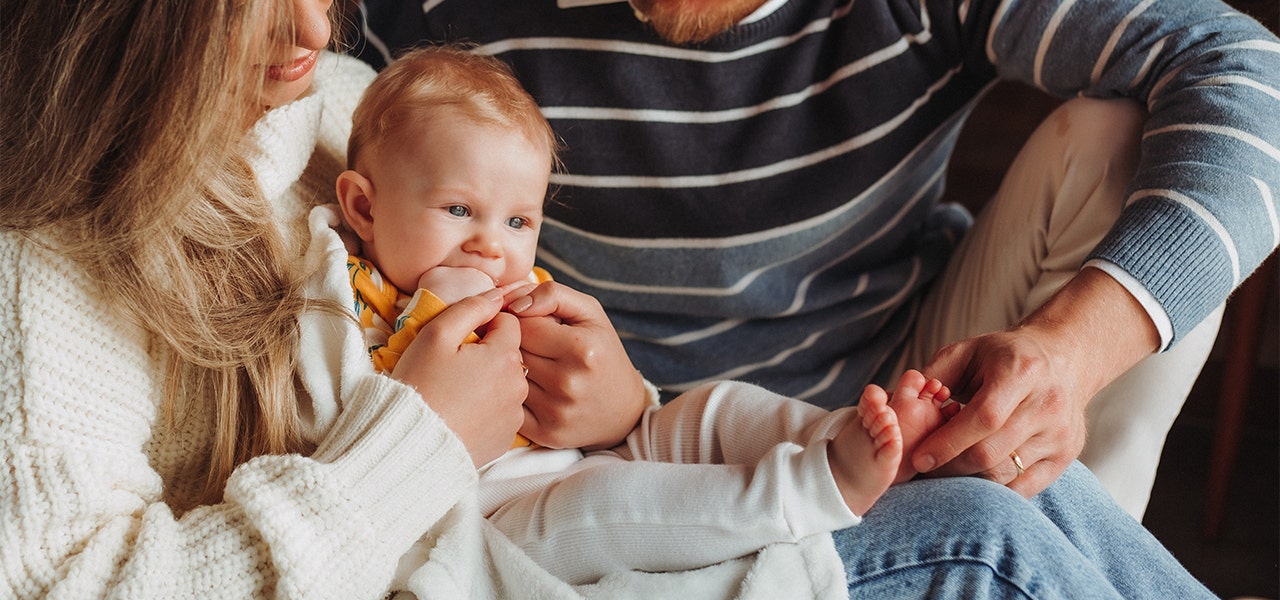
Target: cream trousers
{"x": 1060, "y": 196}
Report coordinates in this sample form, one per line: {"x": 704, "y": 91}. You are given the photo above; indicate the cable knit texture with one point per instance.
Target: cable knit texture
{"x": 92, "y": 467}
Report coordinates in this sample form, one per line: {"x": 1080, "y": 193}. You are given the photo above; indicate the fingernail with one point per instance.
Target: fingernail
{"x": 925, "y": 463}
{"x": 520, "y": 304}
{"x": 493, "y": 295}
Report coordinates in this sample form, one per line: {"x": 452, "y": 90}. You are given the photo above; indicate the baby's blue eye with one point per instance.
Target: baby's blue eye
{"x": 459, "y": 211}
{"x": 517, "y": 222}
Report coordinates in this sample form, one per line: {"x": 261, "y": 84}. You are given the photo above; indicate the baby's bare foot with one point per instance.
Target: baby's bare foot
{"x": 918, "y": 403}
{"x": 865, "y": 454}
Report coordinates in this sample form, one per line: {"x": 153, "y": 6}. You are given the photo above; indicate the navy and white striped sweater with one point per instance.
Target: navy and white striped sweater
{"x": 764, "y": 206}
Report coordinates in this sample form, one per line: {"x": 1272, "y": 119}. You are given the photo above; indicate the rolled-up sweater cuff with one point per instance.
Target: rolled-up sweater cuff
{"x": 399, "y": 462}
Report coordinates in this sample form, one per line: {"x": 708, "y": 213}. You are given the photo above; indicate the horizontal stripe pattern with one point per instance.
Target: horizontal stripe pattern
{"x": 765, "y": 206}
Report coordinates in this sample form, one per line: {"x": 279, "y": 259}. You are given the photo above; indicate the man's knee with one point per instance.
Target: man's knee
{"x": 1099, "y": 121}
{"x": 970, "y": 503}
{"x": 1088, "y": 143}
{"x": 978, "y": 531}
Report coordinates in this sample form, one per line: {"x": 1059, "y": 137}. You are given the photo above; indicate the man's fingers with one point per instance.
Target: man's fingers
{"x": 1038, "y": 476}
{"x": 950, "y": 366}
{"x": 993, "y": 457}
{"x": 556, "y": 300}
{"x": 517, "y": 291}
{"x": 503, "y": 330}
{"x": 542, "y": 336}
{"x": 978, "y": 421}
{"x": 536, "y": 301}
{"x": 530, "y": 429}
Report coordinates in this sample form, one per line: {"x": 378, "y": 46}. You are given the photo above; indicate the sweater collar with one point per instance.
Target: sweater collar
{"x": 285, "y": 138}
{"x": 765, "y": 9}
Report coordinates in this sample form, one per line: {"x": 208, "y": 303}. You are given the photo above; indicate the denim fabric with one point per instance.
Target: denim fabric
{"x": 968, "y": 538}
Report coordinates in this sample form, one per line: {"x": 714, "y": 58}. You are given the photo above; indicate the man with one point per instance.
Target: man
{"x": 751, "y": 189}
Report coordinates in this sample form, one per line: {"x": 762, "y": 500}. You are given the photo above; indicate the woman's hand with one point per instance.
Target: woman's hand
{"x": 584, "y": 392}
{"x": 476, "y": 388}
{"x": 1028, "y": 387}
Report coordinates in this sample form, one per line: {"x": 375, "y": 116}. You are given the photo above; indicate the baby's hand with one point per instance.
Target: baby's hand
{"x": 451, "y": 284}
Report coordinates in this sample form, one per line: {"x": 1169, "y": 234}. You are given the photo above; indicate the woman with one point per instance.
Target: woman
{"x": 152, "y": 337}
{"x": 165, "y": 334}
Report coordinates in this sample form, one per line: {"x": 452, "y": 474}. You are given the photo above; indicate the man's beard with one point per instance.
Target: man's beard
{"x": 693, "y": 21}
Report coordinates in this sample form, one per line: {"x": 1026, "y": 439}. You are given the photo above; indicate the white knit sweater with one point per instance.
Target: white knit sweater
{"x": 90, "y": 462}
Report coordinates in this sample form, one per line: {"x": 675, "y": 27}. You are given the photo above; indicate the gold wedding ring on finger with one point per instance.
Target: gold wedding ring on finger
{"x": 526, "y": 369}
{"x": 1017, "y": 463}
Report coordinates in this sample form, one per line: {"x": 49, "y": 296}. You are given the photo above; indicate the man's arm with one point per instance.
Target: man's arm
{"x": 1199, "y": 216}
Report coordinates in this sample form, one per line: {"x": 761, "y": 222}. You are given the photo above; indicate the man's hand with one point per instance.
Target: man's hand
{"x": 583, "y": 390}
{"x": 476, "y": 388}
{"x": 1028, "y": 386}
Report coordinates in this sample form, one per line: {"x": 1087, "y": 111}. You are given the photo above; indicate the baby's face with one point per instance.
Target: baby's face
{"x": 456, "y": 193}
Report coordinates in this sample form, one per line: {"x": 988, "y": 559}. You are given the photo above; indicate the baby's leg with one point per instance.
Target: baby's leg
{"x": 728, "y": 422}
{"x": 866, "y": 455}
{"x": 608, "y": 515}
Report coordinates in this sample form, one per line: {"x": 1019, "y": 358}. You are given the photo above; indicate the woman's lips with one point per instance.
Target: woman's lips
{"x": 295, "y": 70}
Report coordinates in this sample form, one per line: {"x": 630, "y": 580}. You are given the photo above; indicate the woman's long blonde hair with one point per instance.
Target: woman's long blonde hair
{"x": 123, "y": 132}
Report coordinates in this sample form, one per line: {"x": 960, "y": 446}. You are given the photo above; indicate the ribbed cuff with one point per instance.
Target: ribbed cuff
{"x": 401, "y": 464}
{"x": 1168, "y": 250}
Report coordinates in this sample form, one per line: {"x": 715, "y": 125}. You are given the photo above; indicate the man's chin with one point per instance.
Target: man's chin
{"x": 693, "y": 21}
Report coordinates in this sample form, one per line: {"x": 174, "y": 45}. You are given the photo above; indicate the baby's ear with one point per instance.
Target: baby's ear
{"x": 354, "y": 193}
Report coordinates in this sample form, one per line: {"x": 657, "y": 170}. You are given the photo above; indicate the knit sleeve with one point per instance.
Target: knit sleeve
{"x": 1200, "y": 214}
{"x": 89, "y": 467}
{"x": 336, "y": 523}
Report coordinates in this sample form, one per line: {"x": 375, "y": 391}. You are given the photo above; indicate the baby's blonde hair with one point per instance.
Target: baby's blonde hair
{"x": 422, "y": 82}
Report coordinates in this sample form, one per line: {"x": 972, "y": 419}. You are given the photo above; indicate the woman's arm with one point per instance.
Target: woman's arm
{"x": 94, "y": 472}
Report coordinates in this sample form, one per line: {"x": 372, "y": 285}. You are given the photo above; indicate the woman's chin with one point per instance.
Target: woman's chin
{"x": 278, "y": 93}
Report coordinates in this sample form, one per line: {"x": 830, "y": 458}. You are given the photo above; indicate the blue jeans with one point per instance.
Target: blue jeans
{"x": 971, "y": 539}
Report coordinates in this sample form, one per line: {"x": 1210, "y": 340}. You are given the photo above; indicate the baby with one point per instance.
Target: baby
{"x": 449, "y": 163}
